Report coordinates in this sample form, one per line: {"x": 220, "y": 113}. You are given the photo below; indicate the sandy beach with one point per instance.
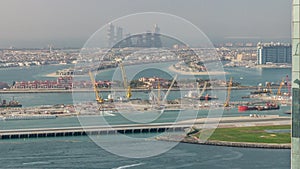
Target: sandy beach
{"x": 171, "y": 68}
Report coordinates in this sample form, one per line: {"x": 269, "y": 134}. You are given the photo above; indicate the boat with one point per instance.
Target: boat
{"x": 245, "y": 97}
{"x": 195, "y": 96}
{"x": 208, "y": 97}
{"x": 261, "y": 92}
{"x": 246, "y": 108}
{"x": 267, "y": 106}
{"x": 12, "y": 103}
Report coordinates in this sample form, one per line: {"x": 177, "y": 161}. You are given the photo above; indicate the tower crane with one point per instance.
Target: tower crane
{"x": 226, "y": 104}
{"x": 170, "y": 87}
{"x": 98, "y": 98}
{"x": 280, "y": 86}
{"x": 269, "y": 88}
{"x": 158, "y": 93}
{"x": 288, "y": 84}
{"x": 124, "y": 77}
{"x": 203, "y": 89}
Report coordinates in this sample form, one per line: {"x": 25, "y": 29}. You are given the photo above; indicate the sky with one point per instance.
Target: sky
{"x": 70, "y": 23}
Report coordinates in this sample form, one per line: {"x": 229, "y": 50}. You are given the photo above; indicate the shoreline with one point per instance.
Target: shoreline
{"x": 233, "y": 122}
{"x": 62, "y": 90}
{"x": 171, "y": 68}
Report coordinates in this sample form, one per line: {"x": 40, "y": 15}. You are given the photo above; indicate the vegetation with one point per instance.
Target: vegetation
{"x": 251, "y": 134}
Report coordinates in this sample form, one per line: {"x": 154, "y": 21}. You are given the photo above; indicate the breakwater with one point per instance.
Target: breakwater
{"x": 191, "y": 140}
{"x": 92, "y": 130}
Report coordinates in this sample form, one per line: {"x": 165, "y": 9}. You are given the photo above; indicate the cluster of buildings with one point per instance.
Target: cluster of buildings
{"x": 236, "y": 44}
{"x": 155, "y": 82}
{"x": 262, "y": 54}
{"x": 145, "y": 40}
{"x": 64, "y": 82}
{"x": 35, "y": 57}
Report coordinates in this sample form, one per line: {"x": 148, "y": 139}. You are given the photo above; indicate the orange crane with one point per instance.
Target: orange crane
{"x": 269, "y": 88}
{"x": 279, "y": 89}
{"x": 124, "y": 77}
{"x": 98, "y": 98}
{"x": 226, "y": 104}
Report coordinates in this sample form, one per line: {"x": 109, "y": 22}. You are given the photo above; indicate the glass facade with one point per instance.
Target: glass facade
{"x": 274, "y": 53}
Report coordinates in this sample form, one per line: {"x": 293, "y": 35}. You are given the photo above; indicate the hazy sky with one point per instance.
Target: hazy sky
{"x": 69, "y": 23}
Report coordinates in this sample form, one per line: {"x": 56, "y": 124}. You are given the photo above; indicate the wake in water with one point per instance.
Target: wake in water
{"x": 128, "y": 166}
{"x": 37, "y": 163}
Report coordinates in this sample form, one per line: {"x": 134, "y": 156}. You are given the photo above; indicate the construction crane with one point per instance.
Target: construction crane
{"x": 98, "y": 98}
{"x": 124, "y": 77}
{"x": 158, "y": 93}
{"x": 226, "y": 104}
{"x": 203, "y": 89}
{"x": 288, "y": 84}
{"x": 269, "y": 88}
{"x": 169, "y": 89}
{"x": 280, "y": 86}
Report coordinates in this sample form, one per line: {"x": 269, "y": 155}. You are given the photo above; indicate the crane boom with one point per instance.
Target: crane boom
{"x": 280, "y": 86}
{"x": 269, "y": 88}
{"x": 288, "y": 83}
{"x": 203, "y": 89}
{"x": 228, "y": 93}
{"x": 158, "y": 93}
{"x": 170, "y": 87}
{"x": 98, "y": 98}
{"x": 124, "y": 77}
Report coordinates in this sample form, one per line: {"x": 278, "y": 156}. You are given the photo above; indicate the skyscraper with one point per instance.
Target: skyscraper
{"x": 274, "y": 53}
{"x": 156, "y": 37}
{"x": 111, "y": 35}
{"x": 119, "y": 34}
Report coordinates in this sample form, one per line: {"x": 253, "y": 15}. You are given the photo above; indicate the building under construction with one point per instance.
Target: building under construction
{"x": 144, "y": 40}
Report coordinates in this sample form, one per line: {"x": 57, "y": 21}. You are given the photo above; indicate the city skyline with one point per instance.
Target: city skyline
{"x": 68, "y": 23}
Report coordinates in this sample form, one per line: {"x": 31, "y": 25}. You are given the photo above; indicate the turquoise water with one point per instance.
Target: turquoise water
{"x": 81, "y": 152}
{"x": 9, "y": 75}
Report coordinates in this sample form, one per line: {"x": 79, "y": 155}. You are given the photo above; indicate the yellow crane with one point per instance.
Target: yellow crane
{"x": 269, "y": 88}
{"x": 169, "y": 89}
{"x": 98, "y": 98}
{"x": 203, "y": 89}
{"x": 226, "y": 104}
{"x": 280, "y": 86}
{"x": 124, "y": 77}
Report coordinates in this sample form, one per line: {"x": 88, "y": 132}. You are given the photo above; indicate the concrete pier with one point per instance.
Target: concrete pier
{"x": 93, "y": 130}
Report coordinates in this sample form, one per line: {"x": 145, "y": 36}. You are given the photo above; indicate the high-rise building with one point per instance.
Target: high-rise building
{"x": 119, "y": 34}
{"x": 111, "y": 35}
{"x": 145, "y": 40}
{"x": 156, "y": 29}
{"x": 156, "y": 37}
{"x": 274, "y": 53}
